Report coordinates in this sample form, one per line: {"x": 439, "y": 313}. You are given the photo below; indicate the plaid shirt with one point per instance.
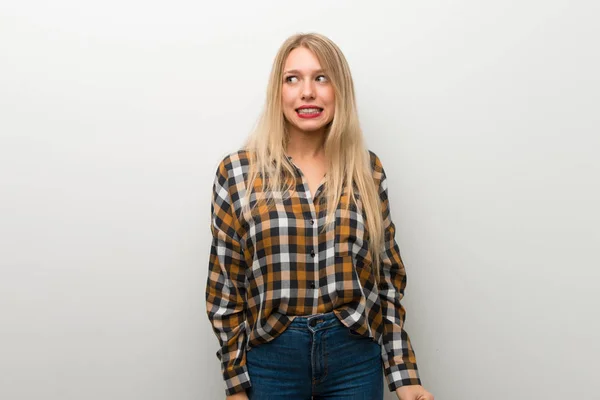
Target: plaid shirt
{"x": 267, "y": 269}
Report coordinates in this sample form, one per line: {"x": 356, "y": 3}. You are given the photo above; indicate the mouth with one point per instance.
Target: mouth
{"x": 312, "y": 112}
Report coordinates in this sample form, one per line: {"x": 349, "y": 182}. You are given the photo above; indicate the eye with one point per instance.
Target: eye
{"x": 291, "y": 79}
{"x": 322, "y": 78}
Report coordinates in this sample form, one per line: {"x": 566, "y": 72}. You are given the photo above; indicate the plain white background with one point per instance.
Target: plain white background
{"x": 115, "y": 114}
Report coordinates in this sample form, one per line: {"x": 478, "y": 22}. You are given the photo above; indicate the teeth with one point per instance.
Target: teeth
{"x": 309, "y": 111}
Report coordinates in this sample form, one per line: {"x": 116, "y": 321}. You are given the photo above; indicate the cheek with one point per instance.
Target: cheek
{"x": 287, "y": 105}
{"x": 287, "y": 97}
{"x": 329, "y": 96}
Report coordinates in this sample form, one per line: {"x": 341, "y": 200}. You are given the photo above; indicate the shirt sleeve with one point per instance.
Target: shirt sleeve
{"x": 225, "y": 287}
{"x": 400, "y": 364}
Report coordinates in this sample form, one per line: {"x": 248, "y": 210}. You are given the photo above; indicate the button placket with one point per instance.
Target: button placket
{"x": 312, "y": 227}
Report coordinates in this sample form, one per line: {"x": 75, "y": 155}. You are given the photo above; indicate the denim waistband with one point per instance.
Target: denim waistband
{"x": 313, "y": 322}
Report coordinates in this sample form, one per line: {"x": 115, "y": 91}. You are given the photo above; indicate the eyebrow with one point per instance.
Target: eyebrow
{"x": 295, "y": 71}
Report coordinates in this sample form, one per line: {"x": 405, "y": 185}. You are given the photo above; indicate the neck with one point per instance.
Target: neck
{"x": 302, "y": 144}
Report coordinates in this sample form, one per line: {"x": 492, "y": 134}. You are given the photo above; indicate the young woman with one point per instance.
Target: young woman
{"x": 305, "y": 276}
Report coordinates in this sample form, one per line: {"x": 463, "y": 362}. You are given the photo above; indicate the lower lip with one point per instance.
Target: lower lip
{"x": 307, "y": 116}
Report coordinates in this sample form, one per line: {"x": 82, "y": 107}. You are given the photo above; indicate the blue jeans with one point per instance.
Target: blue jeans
{"x": 317, "y": 357}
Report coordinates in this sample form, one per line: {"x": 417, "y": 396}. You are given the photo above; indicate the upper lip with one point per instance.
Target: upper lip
{"x": 309, "y": 106}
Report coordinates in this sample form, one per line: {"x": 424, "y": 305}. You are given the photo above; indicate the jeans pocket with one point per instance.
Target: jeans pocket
{"x": 355, "y": 334}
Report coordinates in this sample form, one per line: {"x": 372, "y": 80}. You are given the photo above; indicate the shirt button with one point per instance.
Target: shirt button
{"x": 312, "y": 285}
{"x": 312, "y": 253}
{"x": 312, "y": 221}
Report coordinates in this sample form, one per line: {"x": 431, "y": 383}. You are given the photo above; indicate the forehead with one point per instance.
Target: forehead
{"x": 302, "y": 59}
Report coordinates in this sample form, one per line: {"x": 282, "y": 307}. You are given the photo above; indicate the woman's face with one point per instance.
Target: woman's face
{"x": 307, "y": 95}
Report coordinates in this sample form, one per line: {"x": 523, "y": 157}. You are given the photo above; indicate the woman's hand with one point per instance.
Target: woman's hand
{"x": 413, "y": 392}
{"x": 237, "y": 396}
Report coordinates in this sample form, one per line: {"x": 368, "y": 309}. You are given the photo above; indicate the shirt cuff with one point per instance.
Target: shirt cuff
{"x": 399, "y": 375}
{"x": 236, "y": 380}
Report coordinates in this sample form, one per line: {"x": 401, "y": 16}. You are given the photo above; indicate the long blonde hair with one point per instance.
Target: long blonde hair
{"x": 348, "y": 160}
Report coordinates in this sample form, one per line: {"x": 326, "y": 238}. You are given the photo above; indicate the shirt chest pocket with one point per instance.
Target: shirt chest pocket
{"x": 352, "y": 242}
{"x": 351, "y": 235}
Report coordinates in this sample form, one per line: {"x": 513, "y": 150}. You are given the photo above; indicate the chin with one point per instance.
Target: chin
{"x": 311, "y": 127}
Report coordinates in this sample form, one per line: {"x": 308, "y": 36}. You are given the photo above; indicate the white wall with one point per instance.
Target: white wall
{"x": 114, "y": 115}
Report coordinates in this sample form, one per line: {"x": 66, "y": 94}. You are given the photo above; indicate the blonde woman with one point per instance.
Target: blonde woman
{"x": 305, "y": 276}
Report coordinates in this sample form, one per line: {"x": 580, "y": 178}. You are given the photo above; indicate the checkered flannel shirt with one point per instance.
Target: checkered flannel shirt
{"x": 266, "y": 269}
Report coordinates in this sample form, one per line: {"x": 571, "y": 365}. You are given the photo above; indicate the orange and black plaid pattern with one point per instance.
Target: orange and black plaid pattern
{"x": 275, "y": 264}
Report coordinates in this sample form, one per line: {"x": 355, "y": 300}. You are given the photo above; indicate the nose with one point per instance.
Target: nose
{"x": 308, "y": 90}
